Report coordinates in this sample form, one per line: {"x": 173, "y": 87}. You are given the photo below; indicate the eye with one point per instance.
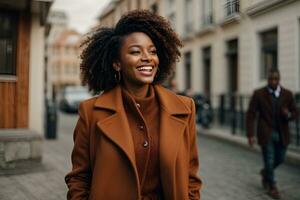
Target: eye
{"x": 134, "y": 52}
{"x": 153, "y": 52}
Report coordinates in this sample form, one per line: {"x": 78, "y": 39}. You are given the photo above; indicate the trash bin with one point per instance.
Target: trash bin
{"x": 51, "y": 120}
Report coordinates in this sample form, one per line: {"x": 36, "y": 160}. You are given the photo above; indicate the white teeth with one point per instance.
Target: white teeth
{"x": 145, "y": 68}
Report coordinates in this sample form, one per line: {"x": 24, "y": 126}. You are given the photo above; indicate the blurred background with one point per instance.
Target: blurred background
{"x": 229, "y": 45}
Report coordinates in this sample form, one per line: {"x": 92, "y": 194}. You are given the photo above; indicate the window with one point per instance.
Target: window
{"x": 154, "y": 8}
{"x": 232, "y": 65}
{"x": 172, "y": 20}
{"x": 269, "y": 51}
{"x": 55, "y": 71}
{"x": 232, "y": 7}
{"x": 8, "y": 42}
{"x": 207, "y": 12}
{"x": 206, "y": 60}
{"x": 188, "y": 16}
{"x": 56, "y": 50}
{"x": 74, "y": 68}
{"x": 67, "y": 69}
{"x": 171, "y": 5}
{"x": 68, "y": 50}
{"x": 299, "y": 52}
{"x": 138, "y": 4}
{"x": 171, "y": 13}
{"x": 188, "y": 66}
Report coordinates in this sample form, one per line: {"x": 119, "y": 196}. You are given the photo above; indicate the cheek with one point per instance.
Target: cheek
{"x": 156, "y": 60}
{"x": 128, "y": 63}
{"x": 128, "y": 71}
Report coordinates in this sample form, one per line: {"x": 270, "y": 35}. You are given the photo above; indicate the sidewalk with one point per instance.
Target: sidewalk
{"x": 46, "y": 183}
{"x": 224, "y": 134}
{"x": 231, "y": 172}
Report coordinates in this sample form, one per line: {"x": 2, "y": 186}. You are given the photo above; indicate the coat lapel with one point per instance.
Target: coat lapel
{"x": 171, "y": 135}
{"x": 281, "y": 97}
{"x": 268, "y": 98}
{"x": 115, "y": 126}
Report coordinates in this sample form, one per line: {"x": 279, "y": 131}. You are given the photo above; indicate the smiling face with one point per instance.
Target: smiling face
{"x": 273, "y": 80}
{"x": 138, "y": 60}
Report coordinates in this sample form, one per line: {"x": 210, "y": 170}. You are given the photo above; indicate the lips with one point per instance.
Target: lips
{"x": 145, "y": 68}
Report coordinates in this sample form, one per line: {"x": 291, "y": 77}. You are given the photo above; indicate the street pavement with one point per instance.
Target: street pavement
{"x": 228, "y": 172}
{"x": 232, "y": 173}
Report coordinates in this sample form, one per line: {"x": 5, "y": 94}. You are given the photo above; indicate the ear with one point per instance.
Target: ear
{"x": 117, "y": 66}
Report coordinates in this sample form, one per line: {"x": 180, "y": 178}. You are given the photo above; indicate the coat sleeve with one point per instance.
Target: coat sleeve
{"x": 251, "y": 114}
{"x": 194, "y": 181}
{"x": 294, "y": 113}
{"x": 78, "y": 180}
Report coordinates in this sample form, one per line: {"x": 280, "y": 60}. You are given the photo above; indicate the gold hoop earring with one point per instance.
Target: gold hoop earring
{"x": 118, "y": 76}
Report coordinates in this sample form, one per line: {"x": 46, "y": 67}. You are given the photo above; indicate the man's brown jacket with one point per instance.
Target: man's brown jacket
{"x": 260, "y": 108}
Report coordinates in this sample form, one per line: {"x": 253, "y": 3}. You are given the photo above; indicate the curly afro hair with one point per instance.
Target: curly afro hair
{"x": 101, "y": 48}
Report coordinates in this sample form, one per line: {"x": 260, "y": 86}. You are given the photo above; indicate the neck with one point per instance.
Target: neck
{"x": 139, "y": 92}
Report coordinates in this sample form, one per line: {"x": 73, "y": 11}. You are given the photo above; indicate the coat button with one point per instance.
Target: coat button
{"x": 145, "y": 144}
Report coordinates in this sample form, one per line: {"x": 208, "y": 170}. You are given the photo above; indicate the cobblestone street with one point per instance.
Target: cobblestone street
{"x": 231, "y": 172}
{"x": 228, "y": 172}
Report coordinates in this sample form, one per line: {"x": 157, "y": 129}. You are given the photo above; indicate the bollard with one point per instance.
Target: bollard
{"x": 51, "y": 120}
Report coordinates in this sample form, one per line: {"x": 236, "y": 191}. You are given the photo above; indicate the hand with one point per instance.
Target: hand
{"x": 285, "y": 112}
{"x": 251, "y": 141}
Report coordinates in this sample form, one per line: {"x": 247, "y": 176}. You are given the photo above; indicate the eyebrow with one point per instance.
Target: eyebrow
{"x": 137, "y": 45}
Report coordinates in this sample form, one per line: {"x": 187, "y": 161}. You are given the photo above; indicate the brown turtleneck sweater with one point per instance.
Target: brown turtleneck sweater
{"x": 143, "y": 117}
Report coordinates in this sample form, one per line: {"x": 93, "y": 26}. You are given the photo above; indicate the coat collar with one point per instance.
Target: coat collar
{"x": 276, "y": 91}
{"x": 268, "y": 96}
{"x": 170, "y": 102}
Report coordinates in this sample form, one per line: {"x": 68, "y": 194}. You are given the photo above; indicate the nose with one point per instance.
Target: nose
{"x": 146, "y": 56}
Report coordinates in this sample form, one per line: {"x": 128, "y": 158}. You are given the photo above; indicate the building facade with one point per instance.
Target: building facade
{"x": 22, "y": 45}
{"x": 63, "y": 60}
{"x": 58, "y": 21}
{"x": 116, "y": 8}
{"x": 228, "y": 44}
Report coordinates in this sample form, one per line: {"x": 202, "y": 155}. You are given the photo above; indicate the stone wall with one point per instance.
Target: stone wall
{"x": 20, "y": 149}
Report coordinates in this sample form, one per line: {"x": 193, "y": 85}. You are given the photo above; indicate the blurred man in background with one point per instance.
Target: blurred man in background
{"x": 275, "y": 107}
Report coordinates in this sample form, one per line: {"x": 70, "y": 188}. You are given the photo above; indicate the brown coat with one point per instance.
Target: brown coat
{"x": 103, "y": 157}
{"x": 261, "y": 104}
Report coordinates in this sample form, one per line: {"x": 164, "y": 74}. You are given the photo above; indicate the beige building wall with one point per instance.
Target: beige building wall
{"x": 110, "y": 15}
{"x": 36, "y": 76}
{"x": 286, "y": 20}
{"x": 247, "y": 30}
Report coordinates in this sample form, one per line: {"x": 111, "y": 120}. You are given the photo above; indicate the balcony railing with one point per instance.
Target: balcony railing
{"x": 231, "y": 113}
{"x": 232, "y": 7}
{"x": 207, "y": 20}
{"x": 188, "y": 29}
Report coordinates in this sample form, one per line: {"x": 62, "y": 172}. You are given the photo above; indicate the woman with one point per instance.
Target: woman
{"x": 136, "y": 140}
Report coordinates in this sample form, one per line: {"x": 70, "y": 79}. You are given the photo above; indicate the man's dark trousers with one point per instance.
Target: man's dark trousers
{"x": 273, "y": 155}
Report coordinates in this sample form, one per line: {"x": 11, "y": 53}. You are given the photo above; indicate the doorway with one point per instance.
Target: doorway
{"x": 206, "y": 57}
{"x": 232, "y": 64}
